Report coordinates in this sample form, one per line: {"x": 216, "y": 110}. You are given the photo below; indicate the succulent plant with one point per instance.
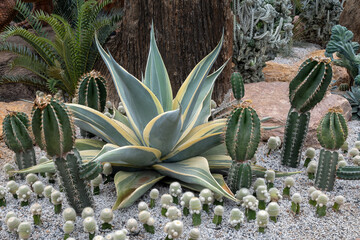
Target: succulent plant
{"x": 236, "y": 218}
{"x": 195, "y": 210}
{"x": 242, "y": 139}
{"x": 107, "y": 171}
{"x": 237, "y": 85}
{"x": 36, "y": 210}
{"x": 38, "y": 188}
{"x": 353, "y": 152}
{"x": 273, "y": 143}
{"x": 54, "y": 132}
{"x": 185, "y": 202}
{"x": 270, "y": 178}
{"x": 295, "y": 203}
{"x": 51, "y": 177}
{"x": 332, "y": 133}
{"x": 148, "y": 221}
{"x": 275, "y": 195}
{"x": 218, "y": 215}
{"x": 263, "y": 196}
{"x": 18, "y": 139}
{"x": 262, "y": 219}
{"x": 47, "y": 192}
{"x": 31, "y": 178}
{"x": 12, "y": 223}
{"x": 109, "y": 107}
{"x": 175, "y": 191}
{"x": 8, "y": 169}
{"x": 207, "y": 199}
{"x": 174, "y": 229}
{"x": 348, "y": 173}
{"x": 9, "y": 215}
{"x": 24, "y": 193}
{"x": 321, "y": 202}
{"x": 24, "y": 230}
{"x": 98, "y": 237}
{"x": 87, "y": 212}
{"x": 12, "y": 187}
{"x": 68, "y": 228}
{"x": 165, "y": 201}
{"x": 341, "y": 164}
{"x": 194, "y": 234}
{"x": 345, "y": 147}
{"x": 311, "y": 169}
{"x": 2, "y": 196}
{"x": 309, "y": 154}
{"x": 142, "y": 206}
{"x": 356, "y": 160}
{"x": 251, "y": 205}
{"x": 313, "y": 196}
{"x": 90, "y": 226}
{"x": 339, "y": 200}
{"x": 305, "y": 91}
{"x": 57, "y": 200}
{"x": 273, "y": 210}
{"x": 154, "y": 194}
{"x": 106, "y": 216}
{"x": 288, "y": 183}
{"x": 69, "y": 214}
{"x": 173, "y": 213}
{"x": 258, "y": 182}
{"x": 118, "y": 235}
{"x": 344, "y": 87}
{"x": 241, "y": 193}
{"x": 96, "y": 184}
{"x": 132, "y": 225}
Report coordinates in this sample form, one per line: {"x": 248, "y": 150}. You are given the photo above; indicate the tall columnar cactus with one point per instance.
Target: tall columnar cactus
{"x": 54, "y": 132}
{"x": 242, "y": 139}
{"x": 91, "y": 92}
{"x": 332, "y": 133}
{"x": 305, "y": 91}
{"x": 17, "y": 138}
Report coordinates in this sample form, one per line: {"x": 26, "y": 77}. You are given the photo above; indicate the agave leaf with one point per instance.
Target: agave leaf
{"x": 138, "y": 156}
{"x": 220, "y": 179}
{"x": 259, "y": 171}
{"x": 163, "y": 131}
{"x": 218, "y": 150}
{"x": 97, "y": 123}
{"x": 44, "y": 167}
{"x": 132, "y": 93}
{"x": 130, "y": 186}
{"x": 121, "y": 118}
{"x": 219, "y": 162}
{"x": 194, "y": 147}
{"x": 193, "y": 171}
{"x": 88, "y": 144}
{"x": 156, "y": 76}
{"x": 88, "y": 155}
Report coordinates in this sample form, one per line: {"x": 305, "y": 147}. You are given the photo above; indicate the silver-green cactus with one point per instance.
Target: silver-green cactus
{"x": 295, "y": 203}
{"x": 68, "y": 228}
{"x": 270, "y": 178}
{"x": 142, "y": 206}
{"x": 339, "y": 200}
{"x": 273, "y": 143}
{"x": 12, "y": 224}
{"x": 24, "y": 230}
{"x": 262, "y": 219}
{"x": 175, "y": 191}
{"x": 309, "y": 154}
{"x": 165, "y": 201}
{"x": 174, "y": 229}
{"x": 195, "y": 207}
{"x": 185, "y": 202}
{"x": 288, "y": 183}
{"x": 47, "y": 192}
{"x": 24, "y": 193}
{"x": 106, "y": 216}
{"x": 38, "y": 188}
{"x": 36, "y": 210}
{"x": 31, "y": 179}
{"x": 8, "y": 169}
{"x": 147, "y": 221}
{"x": 274, "y": 210}
{"x": 206, "y": 197}
{"x": 90, "y": 226}
{"x": 251, "y": 205}
{"x": 56, "y": 199}
{"x": 87, "y": 212}
{"x": 218, "y": 215}
{"x": 69, "y": 214}
{"x": 236, "y": 218}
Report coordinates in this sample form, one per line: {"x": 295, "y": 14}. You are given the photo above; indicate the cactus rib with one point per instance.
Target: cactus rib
{"x": 326, "y": 173}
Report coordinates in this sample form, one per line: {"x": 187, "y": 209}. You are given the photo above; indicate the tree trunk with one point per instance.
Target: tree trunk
{"x": 186, "y": 31}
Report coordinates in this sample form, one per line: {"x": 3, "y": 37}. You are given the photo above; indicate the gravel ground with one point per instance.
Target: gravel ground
{"x": 335, "y": 225}
{"x": 298, "y": 51}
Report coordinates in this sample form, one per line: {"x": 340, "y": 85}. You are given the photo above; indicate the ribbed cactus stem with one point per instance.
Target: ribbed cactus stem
{"x": 237, "y": 85}
{"x": 349, "y": 173}
{"x": 239, "y": 176}
{"x": 326, "y": 171}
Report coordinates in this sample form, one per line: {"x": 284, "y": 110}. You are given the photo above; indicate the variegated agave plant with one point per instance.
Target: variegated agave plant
{"x": 160, "y": 136}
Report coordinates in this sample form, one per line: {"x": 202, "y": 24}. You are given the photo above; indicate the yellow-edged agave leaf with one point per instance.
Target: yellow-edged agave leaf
{"x": 121, "y": 118}
{"x": 219, "y": 162}
{"x": 103, "y": 126}
{"x": 88, "y": 144}
{"x": 259, "y": 171}
{"x": 218, "y": 150}
{"x": 220, "y": 179}
{"x": 131, "y": 155}
{"x": 44, "y": 167}
{"x": 141, "y": 105}
{"x": 163, "y": 131}
{"x": 194, "y": 147}
{"x": 130, "y": 186}
{"x": 88, "y": 155}
{"x": 156, "y": 76}
{"x": 193, "y": 171}
{"x": 106, "y": 148}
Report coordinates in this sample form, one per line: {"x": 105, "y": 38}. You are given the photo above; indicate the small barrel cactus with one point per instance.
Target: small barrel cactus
{"x": 175, "y": 191}
{"x": 195, "y": 210}
{"x": 96, "y": 184}
{"x": 90, "y": 226}
{"x": 332, "y": 133}
{"x": 24, "y": 230}
{"x": 262, "y": 219}
{"x": 236, "y": 218}
{"x": 142, "y": 206}
{"x": 339, "y": 200}
{"x": 242, "y": 138}
{"x": 8, "y": 169}
{"x": 270, "y": 178}
{"x": 147, "y": 221}
{"x": 194, "y": 234}
{"x": 107, "y": 171}
{"x": 237, "y": 85}
{"x": 2, "y": 196}
{"x": 165, "y": 201}
{"x": 24, "y": 193}
{"x": 106, "y": 216}
{"x": 174, "y": 229}
{"x": 18, "y": 139}
{"x": 9, "y": 215}
{"x": 57, "y": 200}
{"x": 275, "y": 195}
{"x": 321, "y": 202}
{"x": 154, "y": 194}
{"x": 68, "y": 228}
{"x": 173, "y": 213}
{"x": 36, "y": 210}
{"x": 311, "y": 169}
{"x": 241, "y": 193}
{"x": 305, "y": 91}
{"x": 251, "y": 205}
{"x": 313, "y": 196}
{"x": 12, "y": 224}
{"x": 273, "y": 143}
{"x": 288, "y": 183}
{"x": 185, "y": 201}
{"x": 69, "y": 214}
{"x": 87, "y": 212}
{"x": 263, "y": 196}
{"x": 274, "y": 210}
{"x": 12, "y": 187}
{"x": 132, "y": 225}
{"x": 353, "y": 152}
{"x": 38, "y": 188}
{"x": 206, "y": 197}
{"x": 218, "y": 214}
{"x": 295, "y": 203}
{"x": 31, "y": 179}
{"x": 309, "y": 154}
{"x": 47, "y": 192}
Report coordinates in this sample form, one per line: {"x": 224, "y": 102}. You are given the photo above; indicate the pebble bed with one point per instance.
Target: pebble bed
{"x": 335, "y": 225}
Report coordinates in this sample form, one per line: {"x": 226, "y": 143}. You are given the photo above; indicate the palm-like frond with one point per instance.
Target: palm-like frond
{"x": 26, "y": 13}
{"x": 23, "y": 79}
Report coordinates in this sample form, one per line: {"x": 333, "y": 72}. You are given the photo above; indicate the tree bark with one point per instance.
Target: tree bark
{"x": 185, "y": 30}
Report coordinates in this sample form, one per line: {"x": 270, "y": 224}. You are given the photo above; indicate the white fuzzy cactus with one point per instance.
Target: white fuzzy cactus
{"x": 356, "y": 160}
{"x": 47, "y": 191}
{"x": 2, "y": 196}
{"x": 132, "y": 225}
{"x": 270, "y": 178}
{"x": 154, "y": 194}
{"x": 8, "y": 169}
{"x": 184, "y": 202}
{"x": 142, "y": 206}
{"x": 262, "y": 219}
{"x": 236, "y": 218}
{"x": 259, "y": 182}
{"x": 87, "y": 212}
{"x": 345, "y": 147}
{"x": 24, "y": 193}
{"x": 69, "y": 214}
{"x": 274, "y": 210}
{"x": 353, "y": 152}
{"x": 24, "y": 230}
{"x": 194, "y": 234}
{"x": 339, "y": 201}
{"x": 12, "y": 224}
{"x": 9, "y": 215}
{"x": 174, "y": 229}
{"x": 106, "y": 216}
{"x": 31, "y": 179}
{"x": 341, "y": 164}
{"x": 118, "y": 235}
{"x": 96, "y": 184}
{"x": 57, "y": 199}
{"x": 107, "y": 171}
{"x": 295, "y": 203}
{"x": 263, "y": 196}
{"x": 311, "y": 169}
{"x": 175, "y": 191}
{"x": 241, "y": 193}
{"x": 195, "y": 207}
{"x": 321, "y": 202}
{"x": 90, "y": 226}
{"x": 173, "y": 213}
{"x": 38, "y": 188}
{"x": 275, "y": 195}
{"x": 166, "y": 201}
{"x": 309, "y": 154}
{"x": 68, "y": 228}
{"x": 288, "y": 183}
{"x": 273, "y": 143}
{"x": 206, "y": 197}
{"x": 218, "y": 214}
{"x": 147, "y": 221}
{"x": 313, "y": 196}
{"x": 251, "y": 205}
{"x": 36, "y": 210}
{"x": 98, "y": 237}
{"x": 12, "y": 187}
{"x": 218, "y": 199}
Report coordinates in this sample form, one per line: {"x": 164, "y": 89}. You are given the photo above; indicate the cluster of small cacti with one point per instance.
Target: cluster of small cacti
{"x": 14, "y": 224}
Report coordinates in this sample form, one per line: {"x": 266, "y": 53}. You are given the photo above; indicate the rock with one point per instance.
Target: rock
{"x": 271, "y": 99}
{"x": 350, "y": 18}
{"x": 283, "y": 72}
{"x": 18, "y": 106}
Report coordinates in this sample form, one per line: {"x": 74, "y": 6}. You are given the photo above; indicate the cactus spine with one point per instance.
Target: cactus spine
{"x": 305, "y": 91}
{"x": 54, "y": 132}
{"x": 332, "y": 133}
{"x": 242, "y": 139}
{"x": 17, "y": 138}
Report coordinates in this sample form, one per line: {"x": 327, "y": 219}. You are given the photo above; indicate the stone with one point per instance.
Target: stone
{"x": 271, "y": 99}
{"x": 285, "y": 72}
{"x": 17, "y": 106}
{"x": 350, "y": 18}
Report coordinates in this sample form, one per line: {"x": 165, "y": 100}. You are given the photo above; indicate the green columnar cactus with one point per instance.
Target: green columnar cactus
{"x": 305, "y": 91}
{"x": 348, "y": 173}
{"x": 242, "y": 139}
{"x": 332, "y": 133}
{"x": 54, "y": 132}
{"x": 18, "y": 139}
{"x": 91, "y": 92}
{"x": 237, "y": 85}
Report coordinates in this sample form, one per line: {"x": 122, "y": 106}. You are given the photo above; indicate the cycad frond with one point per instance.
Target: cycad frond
{"x": 25, "y": 80}
{"x": 54, "y": 23}
{"x": 26, "y": 62}
{"x": 26, "y": 12}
